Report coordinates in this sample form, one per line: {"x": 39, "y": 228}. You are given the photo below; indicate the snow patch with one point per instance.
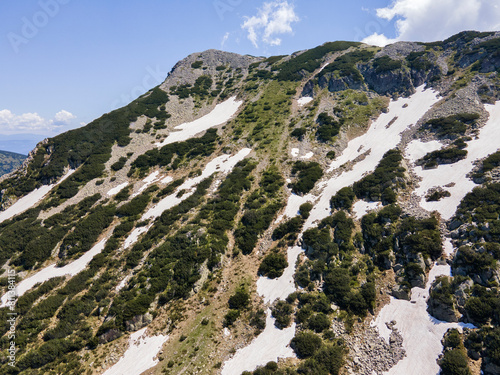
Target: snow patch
{"x": 455, "y": 175}
{"x": 379, "y": 139}
{"x": 116, "y": 189}
{"x": 140, "y": 355}
{"x": 417, "y": 149}
{"x": 270, "y": 345}
{"x": 154, "y": 176}
{"x": 304, "y": 100}
{"x": 421, "y": 332}
{"x": 134, "y": 236}
{"x": 295, "y": 152}
{"x": 448, "y": 247}
{"x": 223, "y": 164}
{"x": 167, "y": 180}
{"x": 219, "y": 115}
{"x": 307, "y": 156}
{"x": 30, "y": 200}
{"x": 293, "y": 205}
{"x": 122, "y": 283}
{"x": 361, "y": 208}
{"x": 52, "y": 271}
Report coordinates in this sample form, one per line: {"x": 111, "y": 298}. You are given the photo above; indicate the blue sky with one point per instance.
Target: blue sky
{"x": 65, "y": 62}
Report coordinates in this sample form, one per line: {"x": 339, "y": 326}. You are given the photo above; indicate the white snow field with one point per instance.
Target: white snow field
{"x": 304, "y": 100}
{"x": 219, "y": 115}
{"x": 52, "y": 271}
{"x": 295, "y": 152}
{"x": 361, "y": 208}
{"x": 271, "y": 344}
{"x": 140, "y": 355}
{"x": 153, "y": 177}
{"x": 31, "y": 199}
{"x": 116, "y": 189}
{"x": 379, "y": 139}
{"x": 224, "y": 164}
{"x": 421, "y": 332}
{"x": 486, "y": 143}
{"x": 293, "y": 205}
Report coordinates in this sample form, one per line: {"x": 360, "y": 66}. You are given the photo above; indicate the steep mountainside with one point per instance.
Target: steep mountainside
{"x": 10, "y": 161}
{"x": 335, "y": 211}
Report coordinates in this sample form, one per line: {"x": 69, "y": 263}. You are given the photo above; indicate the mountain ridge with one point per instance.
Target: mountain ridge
{"x": 329, "y": 201}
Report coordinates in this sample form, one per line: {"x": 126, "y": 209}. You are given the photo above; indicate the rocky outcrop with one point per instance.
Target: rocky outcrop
{"x": 401, "y": 292}
{"x": 109, "y": 336}
{"x": 388, "y": 83}
{"x": 335, "y": 83}
{"x": 138, "y": 322}
{"x": 184, "y": 73}
{"x": 371, "y": 354}
{"x": 442, "y": 311}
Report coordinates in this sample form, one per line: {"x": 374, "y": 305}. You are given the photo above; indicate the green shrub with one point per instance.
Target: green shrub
{"x": 273, "y": 265}
{"x": 345, "y": 65}
{"x": 328, "y": 127}
{"x": 231, "y": 317}
{"x": 298, "y": 133}
{"x": 197, "y": 64}
{"x": 305, "y": 209}
{"x": 307, "y": 175}
{"x": 135, "y": 206}
{"x": 305, "y": 344}
{"x": 119, "y": 164}
{"x": 455, "y": 362}
{"x": 386, "y": 64}
{"x": 240, "y": 299}
{"x": 289, "y": 228}
{"x": 449, "y": 155}
{"x": 343, "y": 199}
{"x": 387, "y": 174}
{"x": 451, "y": 126}
{"x": 309, "y": 61}
{"x": 282, "y": 313}
{"x": 319, "y": 322}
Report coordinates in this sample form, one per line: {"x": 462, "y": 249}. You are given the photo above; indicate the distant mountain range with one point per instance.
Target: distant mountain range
{"x": 10, "y": 161}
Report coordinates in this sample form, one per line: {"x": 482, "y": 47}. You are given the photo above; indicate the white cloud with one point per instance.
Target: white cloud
{"x": 431, "y": 20}
{"x": 224, "y": 40}
{"x": 63, "y": 117}
{"x": 32, "y": 122}
{"x": 274, "y": 18}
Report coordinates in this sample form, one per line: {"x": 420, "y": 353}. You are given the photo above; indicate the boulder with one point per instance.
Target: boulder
{"x": 401, "y": 292}
{"x": 138, "y": 322}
